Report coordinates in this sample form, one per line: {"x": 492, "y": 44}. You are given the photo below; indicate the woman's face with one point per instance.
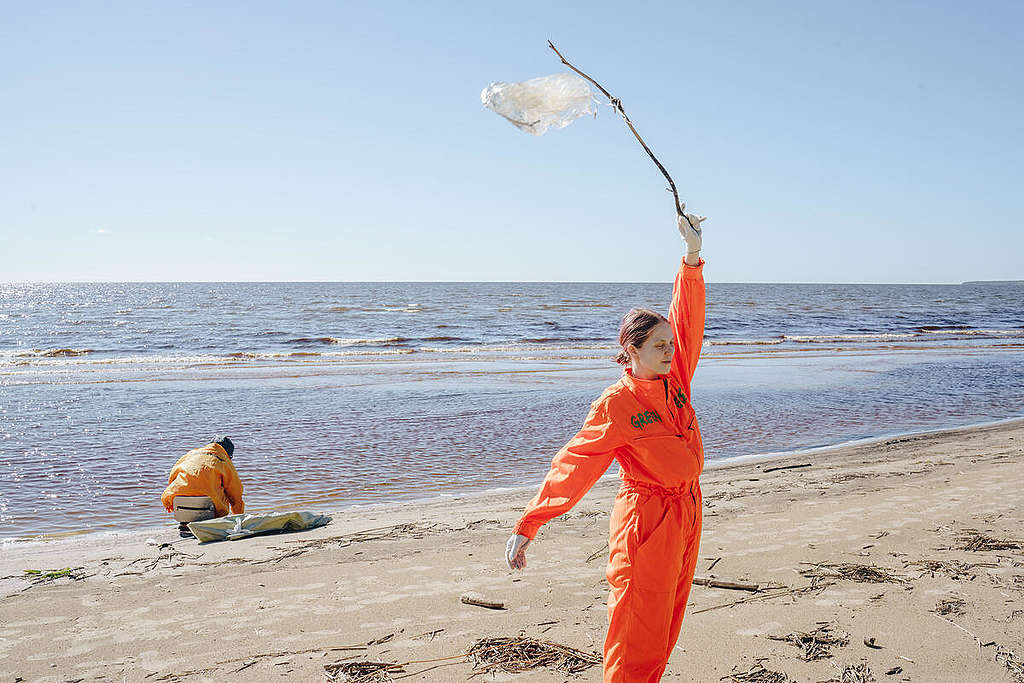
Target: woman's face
{"x": 654, "y": 356}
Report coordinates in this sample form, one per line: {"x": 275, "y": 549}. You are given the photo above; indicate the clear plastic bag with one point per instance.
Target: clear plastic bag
{"x": 541, "y": 103}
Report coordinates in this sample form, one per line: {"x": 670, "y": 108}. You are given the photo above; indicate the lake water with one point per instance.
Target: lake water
{"x": 342, "y": 394}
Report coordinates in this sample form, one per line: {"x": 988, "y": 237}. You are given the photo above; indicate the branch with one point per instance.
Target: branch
{"x": 618, "y": 107}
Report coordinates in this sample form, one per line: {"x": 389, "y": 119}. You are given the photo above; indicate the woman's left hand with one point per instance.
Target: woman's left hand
{"x": 515, "y": 551}
{"x": 689, "y": 228}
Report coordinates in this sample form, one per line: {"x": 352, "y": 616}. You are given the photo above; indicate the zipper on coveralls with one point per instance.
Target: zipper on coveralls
{"x": 668, "y": 407}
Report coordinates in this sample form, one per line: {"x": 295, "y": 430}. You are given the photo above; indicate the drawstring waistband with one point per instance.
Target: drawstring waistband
{"x": 690, "y": 489}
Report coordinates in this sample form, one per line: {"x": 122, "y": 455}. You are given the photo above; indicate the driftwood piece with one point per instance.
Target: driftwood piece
{"x": 680, "y": 206}
{"x": 814, "y": 585}
{"x": 480, "y": 601}
{"x": 597, "y": 553}
{"x": 715, "y": 583}
{"x": 786, "y": 467}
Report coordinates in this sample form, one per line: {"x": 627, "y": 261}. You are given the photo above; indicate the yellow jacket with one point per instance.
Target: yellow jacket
{"x": 206, "y": 471}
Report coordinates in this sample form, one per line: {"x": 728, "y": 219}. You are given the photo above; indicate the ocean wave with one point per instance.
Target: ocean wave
{"x": 569, "y": 305}
{"x": 46, "y": 353}
{"x": 566, "y": 340}
{"x": 842, "y": 338}
{"x": 298, "y": 355}
{"x": 345, "y": 341}
{"x": 408, "y": 308}
{"x": 925, "y": 333}
{"x": 516, "y": 347}
{"x": 743, "y": 342}
{"x": 975, "y": 333}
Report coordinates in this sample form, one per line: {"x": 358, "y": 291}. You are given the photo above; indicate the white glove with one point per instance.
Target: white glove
{"x": 515, "y": 551}
{"x": 689, "y": 228}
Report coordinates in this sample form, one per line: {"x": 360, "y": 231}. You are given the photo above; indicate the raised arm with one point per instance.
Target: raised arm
{"x": 686, "y": 314}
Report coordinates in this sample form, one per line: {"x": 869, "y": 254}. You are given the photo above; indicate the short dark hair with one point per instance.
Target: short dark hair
{"x": 635, "y": 329}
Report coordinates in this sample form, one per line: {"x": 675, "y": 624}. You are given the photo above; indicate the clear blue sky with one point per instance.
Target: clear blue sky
{"x": 827, "y": 141}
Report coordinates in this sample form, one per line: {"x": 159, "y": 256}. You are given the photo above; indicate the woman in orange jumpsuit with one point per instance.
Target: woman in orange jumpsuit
{"x": 646, "y": 423}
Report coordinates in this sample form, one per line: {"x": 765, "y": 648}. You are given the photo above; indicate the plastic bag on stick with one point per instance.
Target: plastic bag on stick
{"x": 541, "y": 103}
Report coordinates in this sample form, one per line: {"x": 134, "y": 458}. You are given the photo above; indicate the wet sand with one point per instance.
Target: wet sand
{"x": 387, "y": 582}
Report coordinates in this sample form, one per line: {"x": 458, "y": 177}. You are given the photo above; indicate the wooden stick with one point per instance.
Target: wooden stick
{"x": 472, "y": 600}
{"x": 786, "y": 467}
{"x": 976, "y": 638}
{"x": 715, "y": 583}
{"x": 766, "y": 596}
{"x": 618, "y": 107}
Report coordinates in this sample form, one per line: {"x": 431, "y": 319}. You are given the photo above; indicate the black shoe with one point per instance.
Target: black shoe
{"x": 184, "y": 531}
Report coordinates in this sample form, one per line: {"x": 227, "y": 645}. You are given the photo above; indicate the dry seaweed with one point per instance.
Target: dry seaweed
{"x": 1009, "y": 660}
{"x": 38, "y": 576}
{"x": 166, "y": 555}
{"x": 853, "y": 673}
{"x": 954, "y": 606}
{"x": 975, "y": 541}
{"x": 361, "y": 672}
{"x": 757, "y": 674}
{"x": 954, "y": 569}
{"x": 817, "y": 644}
{"x": 1013, "y": 665}
{"x": 862, "y": 573}
{"x": 856, "y": 673}
{"x": 519, "y": 654}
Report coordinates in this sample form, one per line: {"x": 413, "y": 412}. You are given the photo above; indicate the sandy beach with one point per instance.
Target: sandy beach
{"x": 907, "y": 550}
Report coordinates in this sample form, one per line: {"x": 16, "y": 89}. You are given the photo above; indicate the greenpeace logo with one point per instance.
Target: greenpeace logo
{"x": 679, "y": 398}
{"x": 645, "y": 418}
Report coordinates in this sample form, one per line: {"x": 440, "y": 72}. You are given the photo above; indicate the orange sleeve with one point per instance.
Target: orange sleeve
{"x": 574, "y": 470}
{"x": 167, "y": 499}
{"x": 686, "y": 315}
{"x": 233, "y": 490}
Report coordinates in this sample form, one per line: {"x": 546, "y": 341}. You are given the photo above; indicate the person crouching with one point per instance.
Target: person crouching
{"x": 203, "y": 484}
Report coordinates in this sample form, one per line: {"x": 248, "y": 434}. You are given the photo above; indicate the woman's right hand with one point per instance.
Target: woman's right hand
{"x": 515, "y": 551}
{"x": 690, "y": 229}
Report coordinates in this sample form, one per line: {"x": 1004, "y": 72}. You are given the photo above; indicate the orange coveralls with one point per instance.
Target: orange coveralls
{"x": 649, "y": 427}
{"x": 206, "y": 471}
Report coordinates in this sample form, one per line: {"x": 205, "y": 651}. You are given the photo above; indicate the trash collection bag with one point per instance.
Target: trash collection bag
{"x": 541, "y": 103}
{"x": 234, "y": 527}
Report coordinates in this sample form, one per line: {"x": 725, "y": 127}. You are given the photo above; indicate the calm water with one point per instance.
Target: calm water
{"x": 343, "y": 394}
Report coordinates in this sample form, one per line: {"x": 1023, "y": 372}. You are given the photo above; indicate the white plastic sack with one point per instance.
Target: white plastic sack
{"x": 234, "y": 527}
{"x": 541, "y": 103}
